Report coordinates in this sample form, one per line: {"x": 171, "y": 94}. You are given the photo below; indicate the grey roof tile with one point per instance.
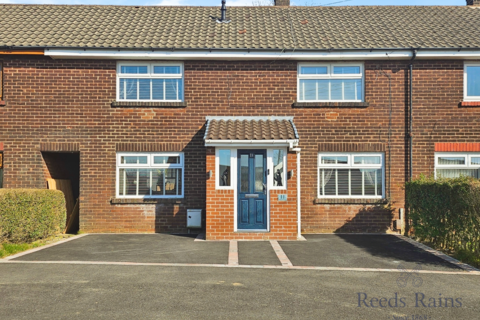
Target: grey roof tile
{"x": 250, "y": 129}
{"x": 315, "y": 28}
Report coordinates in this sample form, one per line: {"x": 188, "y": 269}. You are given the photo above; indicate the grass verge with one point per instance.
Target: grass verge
{"x": 464, "y": 256}
{"x": 8, "y": 249}
{"x": 468, "y": 258}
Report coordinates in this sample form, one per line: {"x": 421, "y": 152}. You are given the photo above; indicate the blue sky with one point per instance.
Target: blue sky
{"x": 245, "y": 2}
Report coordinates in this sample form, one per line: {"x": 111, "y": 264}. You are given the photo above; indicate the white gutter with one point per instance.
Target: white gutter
{"x": 258, "y": 55}
{"x": 241, "y": 143}
{"x": 299, "y": 196}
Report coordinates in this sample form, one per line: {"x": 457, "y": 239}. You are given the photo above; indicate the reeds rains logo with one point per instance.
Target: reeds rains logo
{"x": 418, "y": 300}
{"x": 406, "y": 275}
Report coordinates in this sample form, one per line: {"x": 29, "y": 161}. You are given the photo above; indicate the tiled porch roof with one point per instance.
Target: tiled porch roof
{"x": 250, "y": 128}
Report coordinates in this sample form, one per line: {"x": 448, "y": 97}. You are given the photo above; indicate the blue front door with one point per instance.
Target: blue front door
{"x": 252, "y": 190}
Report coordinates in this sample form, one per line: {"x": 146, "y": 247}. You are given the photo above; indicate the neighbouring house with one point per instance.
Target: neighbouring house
{"x": 267, "y": 121}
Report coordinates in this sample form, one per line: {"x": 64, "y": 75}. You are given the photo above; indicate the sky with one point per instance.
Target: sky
{"x": 245, "y": 2}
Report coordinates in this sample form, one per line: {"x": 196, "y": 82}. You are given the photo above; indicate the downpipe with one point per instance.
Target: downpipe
{"x": 299, "y": 196}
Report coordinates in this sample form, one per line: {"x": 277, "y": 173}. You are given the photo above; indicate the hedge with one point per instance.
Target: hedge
{"x": 446, "y": 212}
{"x": 27, "y": 215}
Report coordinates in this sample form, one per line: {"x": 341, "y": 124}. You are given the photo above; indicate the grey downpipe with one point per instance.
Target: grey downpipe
{"x": 410, "y": 130}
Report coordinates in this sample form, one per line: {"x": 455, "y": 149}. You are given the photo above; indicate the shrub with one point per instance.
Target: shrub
{"x": 446, "y": 212}
{"x": 28, "y": 215}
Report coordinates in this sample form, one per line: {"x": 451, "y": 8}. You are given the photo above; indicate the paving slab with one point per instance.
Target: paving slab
{"x": 257, "y": 253}
{"x": 362, "y": 251}
{"x": 148, "y": 248}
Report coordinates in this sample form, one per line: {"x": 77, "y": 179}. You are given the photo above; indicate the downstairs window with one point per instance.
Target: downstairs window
{"x": 150, "y": 175}
{"x": 454, "y": 165}
{"x": 351, "y": 175}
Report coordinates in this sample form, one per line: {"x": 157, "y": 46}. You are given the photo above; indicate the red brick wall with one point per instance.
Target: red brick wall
{"x": 64, "y": 101}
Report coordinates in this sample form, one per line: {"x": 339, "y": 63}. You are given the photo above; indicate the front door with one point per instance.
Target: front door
{"x": 252, "y": 190}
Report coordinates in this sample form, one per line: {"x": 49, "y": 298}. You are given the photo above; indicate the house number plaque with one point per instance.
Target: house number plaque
{"x": 282, "y": 197}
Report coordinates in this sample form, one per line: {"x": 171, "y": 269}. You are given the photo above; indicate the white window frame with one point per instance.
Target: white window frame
{"x": 233, "y": 169}
{"x": 331, "y": 76}
{"x": 468, "y": 160}
{"x": 350, "y": 165}
{"x": 271, "y": 171}
{"x": 465, "y": 83}
{"x": 150, "y": 165}
{"x": 150, "y": 75}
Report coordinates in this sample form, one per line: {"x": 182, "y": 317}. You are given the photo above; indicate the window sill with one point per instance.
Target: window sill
{"x": 145, "y": 201}
{"x": 350, "y": 201}
{"x": 469, "y": 104}
{"x": 145, "y": 104}
{"x": 331, "y": 105}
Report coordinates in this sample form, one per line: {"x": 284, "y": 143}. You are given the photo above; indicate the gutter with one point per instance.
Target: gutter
{"x": 261, "y": 54}
{"x": 290, "y": 143}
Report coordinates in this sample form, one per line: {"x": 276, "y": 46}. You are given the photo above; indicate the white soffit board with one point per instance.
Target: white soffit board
{"x": 258, "y": 55}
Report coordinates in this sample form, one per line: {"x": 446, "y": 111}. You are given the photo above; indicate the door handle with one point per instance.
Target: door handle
{"x": 264, "y": 188}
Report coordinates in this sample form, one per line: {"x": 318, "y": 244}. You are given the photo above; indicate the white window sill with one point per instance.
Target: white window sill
{"x": 350, "y": 201}
{"x": 330, "y": 104}
{"x": 148, "y": 104}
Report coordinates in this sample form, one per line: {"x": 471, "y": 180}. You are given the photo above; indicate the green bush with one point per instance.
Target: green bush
{"x": 28, "y": 215}
{"x": 446, "y": 212}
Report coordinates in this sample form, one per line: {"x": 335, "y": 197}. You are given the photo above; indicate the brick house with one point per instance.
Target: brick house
{"x": 270, "y": 120}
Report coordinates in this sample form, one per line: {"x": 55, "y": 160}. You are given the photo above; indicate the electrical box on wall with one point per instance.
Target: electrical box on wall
{"x": 194, "y": 218}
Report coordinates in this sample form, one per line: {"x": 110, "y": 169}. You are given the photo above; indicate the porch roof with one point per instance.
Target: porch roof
{"x": 251, "y": 130}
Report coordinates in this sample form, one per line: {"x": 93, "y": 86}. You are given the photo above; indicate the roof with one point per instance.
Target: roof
{"x": 250, "y": 128}
{"x": 290, "y": 28}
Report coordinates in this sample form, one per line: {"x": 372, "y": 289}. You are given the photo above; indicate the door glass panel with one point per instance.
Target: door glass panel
{"x": 244, "y": 173}
{"x": 224, "y": 170}
{"x": 259, "y": 173}
{"x": 278, "y": 170}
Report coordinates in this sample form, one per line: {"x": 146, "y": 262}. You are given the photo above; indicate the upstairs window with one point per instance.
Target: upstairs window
{"x": 454, "y": 165}
{"x": 472, "y": 82}
{"x": 330, "y": 82}
{"x": 150, "y": 82}
{"x": 351, "y": 175}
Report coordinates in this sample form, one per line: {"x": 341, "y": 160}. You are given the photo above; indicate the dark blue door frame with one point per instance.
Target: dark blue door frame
{"x": 252, "y": 190}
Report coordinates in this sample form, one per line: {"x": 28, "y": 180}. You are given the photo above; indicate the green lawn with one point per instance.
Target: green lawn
{"x": 8, "y": 249}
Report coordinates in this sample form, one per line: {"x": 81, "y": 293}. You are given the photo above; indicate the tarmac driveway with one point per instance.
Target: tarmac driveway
{"x": 320, "y": 250}
{"x": 142, "y": 248}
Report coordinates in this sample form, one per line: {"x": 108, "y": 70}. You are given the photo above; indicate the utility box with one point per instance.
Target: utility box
{"x": 194, "y": 218}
